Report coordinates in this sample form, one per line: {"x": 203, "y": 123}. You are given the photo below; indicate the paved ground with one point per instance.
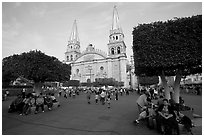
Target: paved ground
{"x": 76, "y": 117}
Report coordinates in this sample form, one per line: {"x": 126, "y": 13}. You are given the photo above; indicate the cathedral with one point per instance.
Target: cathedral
{"x": 93, "y": 63}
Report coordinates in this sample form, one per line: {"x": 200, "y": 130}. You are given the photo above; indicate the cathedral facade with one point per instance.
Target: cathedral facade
{"x": 93, "y": 63}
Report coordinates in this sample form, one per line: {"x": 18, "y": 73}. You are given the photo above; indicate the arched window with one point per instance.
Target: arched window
{"x": 118, "y": 49}
{"x": 116, "y": 37}
{"x": 112, "y": 51}
{"x": 67, "y": 58}
{"x": 71, "y": 57}
{"x": 113, "y": 38}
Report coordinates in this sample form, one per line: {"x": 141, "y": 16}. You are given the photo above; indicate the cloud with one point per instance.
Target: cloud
{"x": 11, "y": 29}
{"x": 16, "y": 43}
{"x": 17, "y": 4}
{"x": 39, "y": 10}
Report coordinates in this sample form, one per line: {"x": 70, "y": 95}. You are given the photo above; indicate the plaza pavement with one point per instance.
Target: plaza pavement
{"x": 77, "y": 117}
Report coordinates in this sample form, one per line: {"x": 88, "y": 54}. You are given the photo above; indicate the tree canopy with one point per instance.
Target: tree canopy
{"x": 168, "y": 46}
{"x": 35, "y": 66}
{"x": 149, "y": 80}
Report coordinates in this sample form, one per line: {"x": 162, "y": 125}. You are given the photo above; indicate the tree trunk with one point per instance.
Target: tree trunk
{"x": 165, "y": 85}
{"x": 38, "y": 87}
{"x": 177, "y": 87}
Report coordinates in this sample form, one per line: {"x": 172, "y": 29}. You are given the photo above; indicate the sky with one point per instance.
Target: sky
{"x": 46, "y": 26}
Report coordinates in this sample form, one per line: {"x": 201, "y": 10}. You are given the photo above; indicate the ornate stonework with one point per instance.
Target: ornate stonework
{"x": 94, "y": 63}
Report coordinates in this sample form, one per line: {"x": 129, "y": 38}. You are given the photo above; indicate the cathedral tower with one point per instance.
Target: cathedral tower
{"x": 73, "y": 47}
{"x": 116, "y": 45}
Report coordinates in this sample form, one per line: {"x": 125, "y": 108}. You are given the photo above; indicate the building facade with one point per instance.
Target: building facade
{"x": 93, "y": 63}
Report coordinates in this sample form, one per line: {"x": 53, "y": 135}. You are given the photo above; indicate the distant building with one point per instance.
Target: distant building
{"x": 93, "y": 63}
{"x": 192, "y": 79}
{"x": 21, "y": 81}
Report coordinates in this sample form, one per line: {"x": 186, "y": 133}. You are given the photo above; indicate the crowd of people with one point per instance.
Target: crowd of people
{"x": 95, "y": 95}
{"x": 166, "y": 114}
{"x": 23, "y": 103}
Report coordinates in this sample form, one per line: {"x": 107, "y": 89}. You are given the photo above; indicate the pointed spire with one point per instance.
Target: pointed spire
{"x": 115, "y": 21}
{"x": 74, "y": 34}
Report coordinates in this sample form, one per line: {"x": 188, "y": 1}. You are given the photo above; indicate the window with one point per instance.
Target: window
{"x": 76, "y": 56}
{"x": 113, "y": 38}
{"x": 71, "y": 57}
{"x": 116, "y": 37}
{"x": 112, "y": 51}
{"x": 71, "y": 47}
{"x": 67, "y": 58}
{"x": 118, "y": 49}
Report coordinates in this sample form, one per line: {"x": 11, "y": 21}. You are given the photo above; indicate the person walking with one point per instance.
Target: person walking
{"x": 96, "y": 97}
{"x": 88, "y": 95}
{"x": 116, "y": 94}
{"x": 103, "y": 95}
{"x": 108, "y": 99}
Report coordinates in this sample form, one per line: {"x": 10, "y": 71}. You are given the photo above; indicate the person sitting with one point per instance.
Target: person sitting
{"x": 160, "y": 100}
{"x": 39, "y": 103}
{"x": 27, "y": 105}
{"x": 166, "y": 119}
{"x": 142, "y": 101}
{"x": 48, "y": 101}
{"x": 148, "y": 112}
{"x": 186, "y": 121}
{"x": 54, "y": 100}
{"x": 17, "y": 104}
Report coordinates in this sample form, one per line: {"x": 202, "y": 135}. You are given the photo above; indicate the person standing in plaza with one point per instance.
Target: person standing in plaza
{"x": 60, "y": 93}
{"x": 121, "y": 92}
{"x": 108, "y": 99}
{"x": 116, "y": 94}
{"x": 73, "y": 93}
{"x": 103, "y": 95}
{"x": 88, "y": 92}
{"x": 96, "y": 97}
